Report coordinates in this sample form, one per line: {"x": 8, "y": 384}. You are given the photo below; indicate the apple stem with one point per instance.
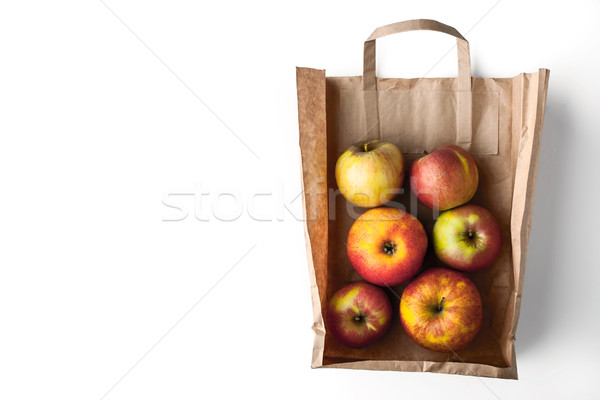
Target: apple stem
{"x": 366, "y": 146}
{"x": 441, "y": 305}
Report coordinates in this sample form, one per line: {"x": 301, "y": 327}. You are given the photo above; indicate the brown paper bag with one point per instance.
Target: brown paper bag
{"x": 499, "y": 120}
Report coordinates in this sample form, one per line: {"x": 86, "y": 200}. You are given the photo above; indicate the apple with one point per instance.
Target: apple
{"x": 358, "y": 314}
{"x": 445, "y": 178}
{"x": 467, "y": 238}
{"x": 441, "y": 310}
{"x": 386, "y": 246}
{"x": 370, "y": 173}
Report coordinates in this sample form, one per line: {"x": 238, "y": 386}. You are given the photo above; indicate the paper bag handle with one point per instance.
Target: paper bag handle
{"x": 464, "y": 96}
{"x": 464, "y": 56}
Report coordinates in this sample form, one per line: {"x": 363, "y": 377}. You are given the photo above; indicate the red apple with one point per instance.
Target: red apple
{"x": 467, "y": 238}
{"x": 358, "y": 314}
{"x": 445, "y": 178}
{"x": 386, "y": 246}
{"x": 441, "y": 310}
{"x": 370, "y": 173}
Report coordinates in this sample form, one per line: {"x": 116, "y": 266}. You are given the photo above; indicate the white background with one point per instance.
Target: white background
{"x": 104, "y": 115}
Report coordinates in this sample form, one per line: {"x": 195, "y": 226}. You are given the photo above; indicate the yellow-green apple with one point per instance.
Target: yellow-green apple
{"x": 386, "y": 246}
{"x": 441, "y": 310}
{"x": 444, "y": 178}
{"x": 467, "y": 238}
{"x": 358, "y": 314}
{"x": 370, "y": 173}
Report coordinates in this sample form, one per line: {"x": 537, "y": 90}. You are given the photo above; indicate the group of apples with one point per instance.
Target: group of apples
{"x": 440, "y": 309}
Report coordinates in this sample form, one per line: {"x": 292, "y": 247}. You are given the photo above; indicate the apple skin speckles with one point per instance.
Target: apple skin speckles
{"x": 374, "y": 233}
{"x": 445, "y": 178}
{"x": 447, "y": 328}
{"x": 358, "y": 314}
{"x": 467, "y": 238}
{"x": 370, "y": 173}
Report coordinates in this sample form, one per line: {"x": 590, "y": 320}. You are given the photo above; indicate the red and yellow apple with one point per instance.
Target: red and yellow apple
{"x": 370, "y": 173}
{"x": 441, "y": 310}
{"x": 467, "y": 238}
{"x": 445, "y": 178}
{"x": 386, "y": 246}
{"x": 358, "y": 314}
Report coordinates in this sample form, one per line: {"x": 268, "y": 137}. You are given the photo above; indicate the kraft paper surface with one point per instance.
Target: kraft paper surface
{"x": 503, "y": 135}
